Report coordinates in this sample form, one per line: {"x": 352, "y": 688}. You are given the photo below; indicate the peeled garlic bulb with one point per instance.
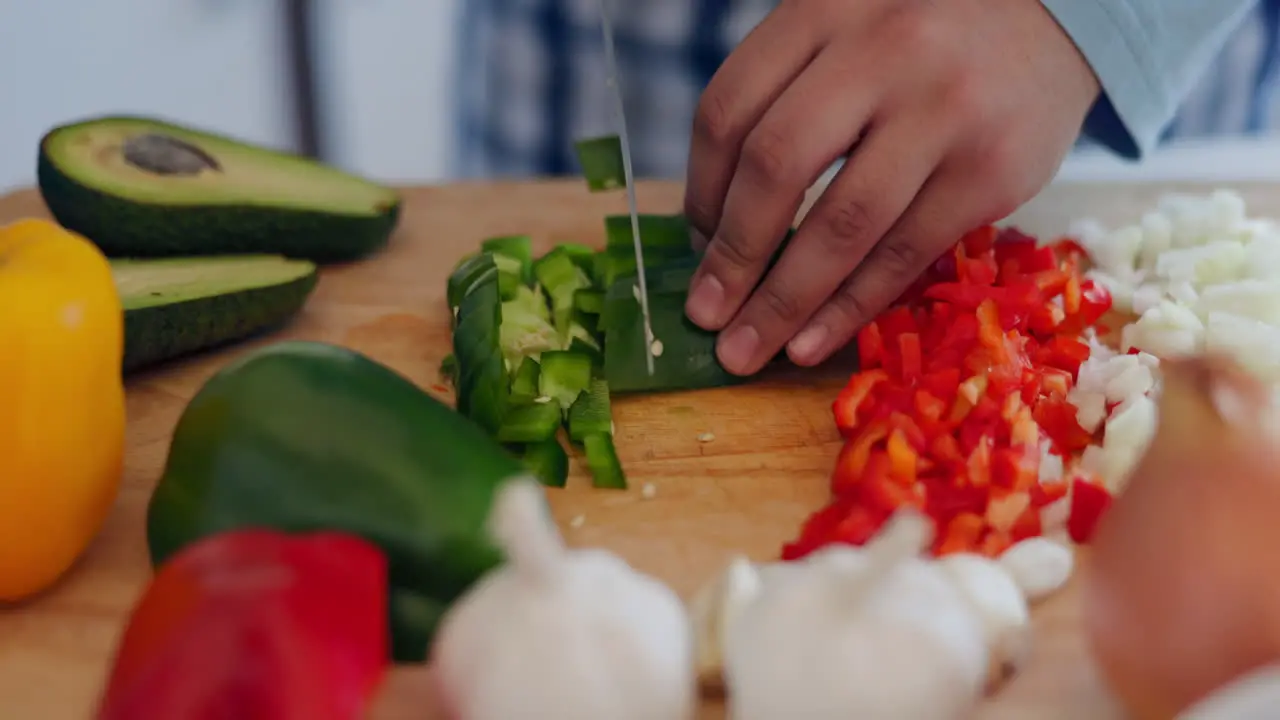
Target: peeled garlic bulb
{"x": 560, "y": 633}
{"x": 873, "y": 632}
{"x": 1002, "y": 607}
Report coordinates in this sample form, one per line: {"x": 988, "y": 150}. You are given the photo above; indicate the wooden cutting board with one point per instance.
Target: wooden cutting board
{"x": 746, "y": 490}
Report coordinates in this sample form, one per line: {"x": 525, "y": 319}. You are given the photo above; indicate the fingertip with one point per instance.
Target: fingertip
{"x": 704, "y": 306}
{"x": 808, "y": 347}
{"x": 736, "y": 349}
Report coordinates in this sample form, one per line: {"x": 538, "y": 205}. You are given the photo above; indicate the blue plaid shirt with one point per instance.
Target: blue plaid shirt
{"x": 532, "y": 80}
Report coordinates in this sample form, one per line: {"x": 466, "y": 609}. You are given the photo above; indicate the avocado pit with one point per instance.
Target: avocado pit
{"x": 165, "y": 155}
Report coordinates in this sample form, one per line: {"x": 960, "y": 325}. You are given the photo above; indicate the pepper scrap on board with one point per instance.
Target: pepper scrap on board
{"x": 309, "y": 611}
{"x": 962, "y": 384}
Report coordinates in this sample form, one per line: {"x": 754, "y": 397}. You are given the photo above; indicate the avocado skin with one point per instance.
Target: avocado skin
{"x": 164, "y": 332}
{"x": 124, "y": 228}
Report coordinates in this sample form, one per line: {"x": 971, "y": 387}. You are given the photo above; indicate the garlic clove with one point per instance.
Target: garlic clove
{"x": 713, "y": 610}
{"x": 1002, "y": 608}
{"x": 558, "y": 632}
{"x": 1039, "y": 566}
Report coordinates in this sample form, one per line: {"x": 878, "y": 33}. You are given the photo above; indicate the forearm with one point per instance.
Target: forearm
{"x": 1147, "y": 54}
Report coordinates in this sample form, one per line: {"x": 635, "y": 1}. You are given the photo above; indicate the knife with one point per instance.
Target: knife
{"x": 611, "y": 79}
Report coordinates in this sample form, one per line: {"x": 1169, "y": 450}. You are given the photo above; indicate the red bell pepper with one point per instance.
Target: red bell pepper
{"x": 1089, "y": 500}
{"x": 962, "y": 381}
{"x": 256, "y": 625}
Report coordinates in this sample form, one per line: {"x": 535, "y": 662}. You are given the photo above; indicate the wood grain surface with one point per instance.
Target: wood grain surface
{"x": 747, "y": 490}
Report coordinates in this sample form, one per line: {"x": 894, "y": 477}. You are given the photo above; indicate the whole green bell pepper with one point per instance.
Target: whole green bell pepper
{"x": 303, "y": 436}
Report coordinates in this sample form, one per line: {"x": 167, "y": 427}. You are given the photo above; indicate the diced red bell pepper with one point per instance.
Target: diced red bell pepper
{"x": 851, "y": 464}
{"x": 870, "y": 346}
{"x": 1094, "y": 302}
{"x": 946, "y": 498}
{"x": 961, "y": 534}
{"x": 1071, "y": 296}
{"x": 1070, "y": 252}
{"x": 978, "y": 464}
{"x": 817, "y": 530}
{"x": 942, "y": 384}
{"x": 929, "y": 408}
{"x": 1057, "y": 418}
{"x": 909, "y": 357}
{"x": 256, "y": 625}
{"x": 980, "y": 240}
{"x": 980, "y": 270}
{"x": 854, "y": 398}
{"x": 963, "y": 294}
{"x": 1028, "y": 525}
{"x": 911, "y": 431}
{"x": 994, "y": 543}
{"x": 946, "y": 449}
{"x": 1015, "y": 468}
{"x": 1027, "y": 256}
{"x": 884, "y": 494}
{"x": 844, "y": 521}
{"x": 903, "y": 458}
{"x": 1047, "y": 493}
{"x": 1089, "y": 500}
{"x": 968, "y": 395}
{"x": 894, "y": 322}
{"x": 1064, "y": 352}
{"x": 1005, "y": 507}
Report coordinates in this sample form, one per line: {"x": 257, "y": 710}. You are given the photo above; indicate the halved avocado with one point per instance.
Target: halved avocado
{"x": 176, "y": 306}
{"x": 141, "y": 187}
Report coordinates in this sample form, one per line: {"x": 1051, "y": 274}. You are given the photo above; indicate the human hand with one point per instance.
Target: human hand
{"x": 952, "y": 114}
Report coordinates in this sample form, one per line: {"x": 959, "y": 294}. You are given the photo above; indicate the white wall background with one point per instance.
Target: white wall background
{"x": 387, "y": 65}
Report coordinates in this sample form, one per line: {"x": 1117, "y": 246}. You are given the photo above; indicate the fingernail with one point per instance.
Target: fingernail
{"x": 738, "y": 348}
{"x": 705, "y": 299}
{"x": 807, "y": 345}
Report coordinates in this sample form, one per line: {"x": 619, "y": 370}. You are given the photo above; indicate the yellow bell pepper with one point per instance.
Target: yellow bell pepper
{"x": 62, "y": 409}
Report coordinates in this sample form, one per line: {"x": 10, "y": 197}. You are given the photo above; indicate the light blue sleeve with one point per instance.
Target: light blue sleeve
{"x": 1147, "y": 55}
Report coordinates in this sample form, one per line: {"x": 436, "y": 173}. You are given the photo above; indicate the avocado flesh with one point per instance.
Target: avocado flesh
{"x": 243, "y": 199}
{"x": 177, "y": 306}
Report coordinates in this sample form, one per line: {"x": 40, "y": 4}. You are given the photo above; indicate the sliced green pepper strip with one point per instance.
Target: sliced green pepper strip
{"x": 602, "y": 459}
{"x": 580, "y": 254}
{"x": 656, "y": 232}
{"x": 564, "y": 376}
{"x": 529, "y": 423}
{"x": 518, "y": 248}
{"x": 483, "y": 386}
{"x": 601, "y": 161}
{"x": 599, "y": 269}
{"x": 688, "y": 358}
{"x": 591, "y": 413}
{"x": 588, "y": 301}
{"x": 467, "y": 273}
{"x": 524, "y": 383}
{"x": 526, "y": 328}
{"x": 547, "y": 461}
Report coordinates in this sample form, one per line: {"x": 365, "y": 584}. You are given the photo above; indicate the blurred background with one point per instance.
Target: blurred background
{"x": 369, "y": 85}
{"x": 383, "y": 70}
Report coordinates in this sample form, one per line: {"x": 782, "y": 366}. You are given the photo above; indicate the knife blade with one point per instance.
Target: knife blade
{"x": 611, "y": 79}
